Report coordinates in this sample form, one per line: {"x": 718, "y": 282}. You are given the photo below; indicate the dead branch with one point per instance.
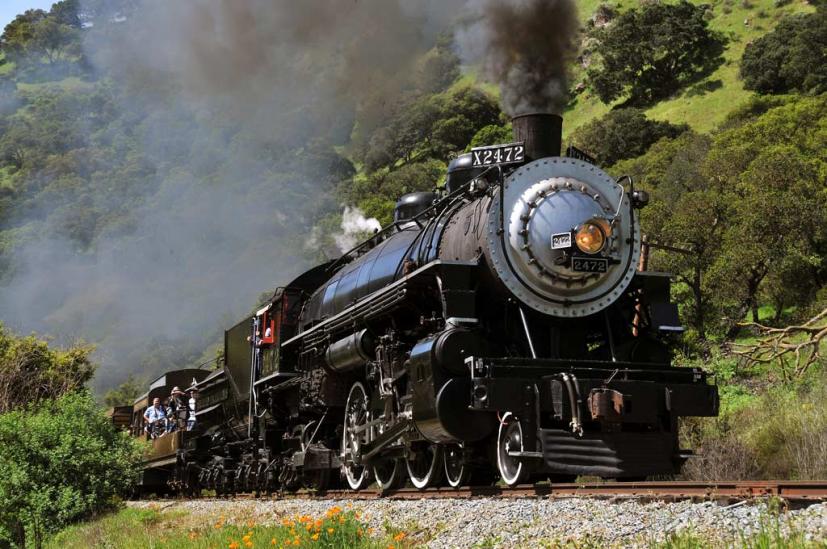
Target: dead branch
{"x": 799, "y": 344}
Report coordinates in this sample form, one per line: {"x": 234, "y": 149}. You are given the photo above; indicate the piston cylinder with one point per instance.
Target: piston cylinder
{"x": 351, "y": 352}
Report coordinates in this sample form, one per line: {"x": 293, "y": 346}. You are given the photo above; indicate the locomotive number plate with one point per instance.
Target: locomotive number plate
{"x": 589, "y": 265}
{"x": 513, "y": 153}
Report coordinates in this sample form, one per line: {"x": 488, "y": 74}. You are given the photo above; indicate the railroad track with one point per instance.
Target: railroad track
{"x": 798, "y": 492}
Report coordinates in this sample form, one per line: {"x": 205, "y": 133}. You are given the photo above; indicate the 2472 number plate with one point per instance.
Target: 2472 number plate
{"x": 589, "y": 265}
{"x": 513, "y": 153}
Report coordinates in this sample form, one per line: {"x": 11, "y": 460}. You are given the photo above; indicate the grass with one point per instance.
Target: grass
{"x": 71, "y": 83}
{"x": 705, "y": 104}
{"x": 150, "y": 528}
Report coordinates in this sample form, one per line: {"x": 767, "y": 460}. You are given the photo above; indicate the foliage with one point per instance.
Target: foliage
{"x": 648, "y": 53}
{"x": 141, "y": 528}
{"x": 747, "y": 212}
{"x": 31, "y": 372}
{"x": 779, "y": 433}
{"x": 623, "y": 133}
{"x": 790, "y": 58}
{"x": 432, "y": 126}
{"x": 36, "y": 37}
{"x": 62, "y": 461}
{"x": 125, "y": 393}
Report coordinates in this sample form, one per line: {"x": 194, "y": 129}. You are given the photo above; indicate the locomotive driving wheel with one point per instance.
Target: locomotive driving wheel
{"x": 510, "y": 439}
{"x": 424, "y": 464}
{"x": 355, "y": 434}
{"x": 457, "y": 468}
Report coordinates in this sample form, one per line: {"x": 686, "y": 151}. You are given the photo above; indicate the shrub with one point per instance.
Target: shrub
{"x": 30, "y": 371}
{"x": 62, "y": 461}
{"x": 623, "y": 133}
{"x": 790, "y": 58}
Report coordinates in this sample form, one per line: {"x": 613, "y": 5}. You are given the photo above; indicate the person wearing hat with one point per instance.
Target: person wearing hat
{"x": 191, "y": 407}
{"x": 177, "y": 409}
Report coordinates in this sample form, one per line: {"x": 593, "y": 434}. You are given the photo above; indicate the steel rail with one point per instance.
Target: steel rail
{"x": 791, "y": 491}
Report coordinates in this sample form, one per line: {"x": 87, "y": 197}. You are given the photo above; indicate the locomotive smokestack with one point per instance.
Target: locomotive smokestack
{"x": 541, "y": 132}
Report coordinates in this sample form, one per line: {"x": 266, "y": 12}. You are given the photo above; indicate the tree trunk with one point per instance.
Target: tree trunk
{"x": 755, "y": 310}
{"x": 699, "y": 303}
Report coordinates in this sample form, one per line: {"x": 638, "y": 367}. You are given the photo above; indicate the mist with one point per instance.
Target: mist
{"x": 235, "y": 108}
{"x": 232, "y": 111}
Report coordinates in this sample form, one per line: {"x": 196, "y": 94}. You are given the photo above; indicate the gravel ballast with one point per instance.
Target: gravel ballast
{"x": 492, "y": 522}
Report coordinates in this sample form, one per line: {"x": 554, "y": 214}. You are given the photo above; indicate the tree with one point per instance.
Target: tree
{"x": 62, "y": 461}
{"x": 125, "y": 393}
{"x": 31, "y": 371}
{"x": 649, "y": 53}
{"x": 687, "y": 212}
{"x": 790, "y": 58}
{"x": 623, "y": 133}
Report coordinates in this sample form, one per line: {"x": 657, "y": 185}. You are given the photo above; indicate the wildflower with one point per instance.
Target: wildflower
{"x": 193, "y": 535}
{"x": 246, "y": 538}
{"x": 305, "y": 519}
{"x": 391, "y": 547}
{"x": 330, "y": 530}
{"x": 357, "y": 514}
{"x": 248, "y": 544}
{"x": 309, "y": 527}
{"x": 341, "y": 520}
{"x": 287, "y": 522}
{"x": 296, "y": 541}
{"x": 370, "y": 531}
{"x": 250, "y": 533}
{"x": 218, "y": 525}
{"x": 251, "y": 524}
{"x": 359, "y": 532}
{"x": 315, "y": 537}
{"x": 399, "y": 537}
{"x": 273, "y": 541}
{"x": 234, "y": 545}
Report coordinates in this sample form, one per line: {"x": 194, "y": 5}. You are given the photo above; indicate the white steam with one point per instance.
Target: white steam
{"x": 355, "y": 227}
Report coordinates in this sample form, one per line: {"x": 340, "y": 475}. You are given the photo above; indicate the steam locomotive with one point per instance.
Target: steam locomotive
{"x": 500, "y": 329}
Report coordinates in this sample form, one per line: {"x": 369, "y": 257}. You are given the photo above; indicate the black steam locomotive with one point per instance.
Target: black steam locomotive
{"x": 500, "y": 329}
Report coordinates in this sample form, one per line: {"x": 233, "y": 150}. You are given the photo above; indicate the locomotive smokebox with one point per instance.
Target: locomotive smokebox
{"x": 541, "y": 132}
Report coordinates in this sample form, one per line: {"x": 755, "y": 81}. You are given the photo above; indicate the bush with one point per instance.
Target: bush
{"x": 62, "y": 461}
{"x": 791, "y": 58}
{"x": 30, "y": 371}
{"x": 623, "y": 133}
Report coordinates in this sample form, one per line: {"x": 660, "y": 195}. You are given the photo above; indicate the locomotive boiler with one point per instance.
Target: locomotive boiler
{"x": 498, "y": 329}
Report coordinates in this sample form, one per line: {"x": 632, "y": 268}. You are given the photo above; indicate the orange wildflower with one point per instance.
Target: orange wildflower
{"x": 391, "y": 547}
{"x": 251, "y": 524}
{"x": 399, "y": 537}
{"x": 309, "y": 527}
{"x": 248, "y": 543}
{"x": 273, "y": 541}
{"x": 330, "y": 530}
{"x": 315, "y": 537}
{"x": 234, "y": 545}
{"x": 218, "y": 525}
{"x": 246, "y": 538}
{"x": 370, "y": 531}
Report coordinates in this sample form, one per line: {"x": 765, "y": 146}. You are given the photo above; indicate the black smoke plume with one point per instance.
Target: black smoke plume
{"x": 526, "y": 47}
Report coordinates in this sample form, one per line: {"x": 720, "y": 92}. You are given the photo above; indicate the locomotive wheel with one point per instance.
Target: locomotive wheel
{"x": 425, "y": 467}
{"x": 510, "y": 439}
{"x": 389, "y": 474}
{"x": 356, "y": 416}
{"x": 457, "y": 469}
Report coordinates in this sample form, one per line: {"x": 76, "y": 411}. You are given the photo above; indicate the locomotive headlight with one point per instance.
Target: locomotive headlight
{"x": 590, "y": 237}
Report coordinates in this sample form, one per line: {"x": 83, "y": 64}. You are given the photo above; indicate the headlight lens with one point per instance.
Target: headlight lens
{"x": 590, "y": 238}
